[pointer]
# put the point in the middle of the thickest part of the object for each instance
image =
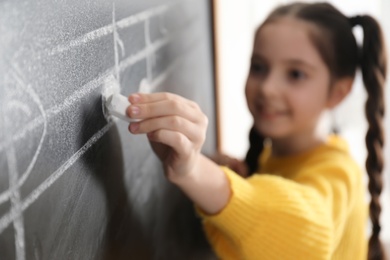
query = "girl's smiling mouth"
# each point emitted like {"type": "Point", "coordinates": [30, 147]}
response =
{"type": "Point", "coordinates": [269, 112]}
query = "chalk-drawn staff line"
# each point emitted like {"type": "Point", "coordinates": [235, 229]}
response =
{"type": "Point", "coordinates": [108, 29]}
{"type": "Point", "coordinates": [14, 105]}
{"type": "Point", "coordinates": [27, 87]}
{"type": "Point", "coordinates": [38, 102]}
{"type": "Point", "coordinates": [157, 81]}
{"type": "Point", "coordinates": [15, 204]}
{"type": "Point", "coordinates": [87, 88]}
{"type": "Point", "coordinates": [149, 57]}
{"type": "Point", "coordinates": [6, 219]}
{"type": "Point", "coordinates": [13, 213]}
{"type": "Point", "coordinates": [84, 90]}
{"type": "Point", "coordinates": [14, 192]}
{"type": "Point", "coordinates": [68, 103]}
{"type": "Point", "coordinates": [117, 41]}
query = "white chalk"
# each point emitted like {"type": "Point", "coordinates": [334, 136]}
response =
{"type": "Point", "coordinates": [116, 105]}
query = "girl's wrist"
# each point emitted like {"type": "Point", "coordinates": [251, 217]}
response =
{"type": "Point", "coordinates": [206, 185]}
{"type": "Point", "coordinates": [187, 178]}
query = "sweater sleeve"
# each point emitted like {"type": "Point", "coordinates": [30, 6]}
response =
{"type": "Point", "coordinates": [270, 217]}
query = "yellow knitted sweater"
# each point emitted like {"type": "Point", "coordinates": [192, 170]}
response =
{"type": "Point", "coordinates": [308, 206]}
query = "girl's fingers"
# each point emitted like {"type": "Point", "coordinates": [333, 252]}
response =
{"type": "Point", "coordinates": [168, 119]}
{"type": "Point", "coordinates": [164, 104]}
{"type": "Point", "coordinates": [173, 123]}
{"type": "Point", "coordinates": [176, 140]}
{"type": "Point", "coordinates": [139, 98]}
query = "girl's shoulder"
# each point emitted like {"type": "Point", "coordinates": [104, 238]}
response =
{"type": "Point", "coordinates": [337, 142]}
{"type": "Point", "coordinates": [335, 150]}
{"type": "Point", "coordinates": [333, 154]}
{"type": "Point", "coordinates": [332, 161]}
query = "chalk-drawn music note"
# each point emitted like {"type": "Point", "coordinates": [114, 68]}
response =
{"type": "Point", "coordinates": [12, 108]}
{"type": "Point", "coordinates": [99, 80]}
{"type": "Point", "coordinates": [150, 59]}
{"type": "Point", "coordinates": [117, 41]}
{"type": "Point", "coordinates": [15, 212]}
{"type": "Point", "coordinates": [9, 109]}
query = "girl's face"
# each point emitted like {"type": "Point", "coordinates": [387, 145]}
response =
{"type": "Point", "coordinates": [288, 83]}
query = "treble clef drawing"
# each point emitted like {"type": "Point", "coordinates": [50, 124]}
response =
{"type": "Point", "coordinates": [14, 112]}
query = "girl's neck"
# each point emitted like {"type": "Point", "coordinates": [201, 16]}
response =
{"type": "Point", "coordinates": [296, 144]}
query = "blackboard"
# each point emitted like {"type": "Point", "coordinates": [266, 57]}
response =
{"type": "Point", "coordinates": [72, 184]}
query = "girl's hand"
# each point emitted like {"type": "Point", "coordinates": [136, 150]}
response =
{"type": "Point", "coordinates": [175, 127]}
{"type": "Point", "coordinates": [236, 165]}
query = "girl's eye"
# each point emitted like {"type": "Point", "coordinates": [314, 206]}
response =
{"type": "Point", "coordinates": [296, 74]}
{"type": "Point", "coordinates": [257, 68]}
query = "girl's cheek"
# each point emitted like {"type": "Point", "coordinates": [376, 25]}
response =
{"type": "Point", "coordinates": [248, 91]}
{"type": "Point", "coordinates": [250, 94]}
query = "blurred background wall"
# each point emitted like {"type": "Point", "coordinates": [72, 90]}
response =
{"type": "Point", "coordinates": [236, 23]}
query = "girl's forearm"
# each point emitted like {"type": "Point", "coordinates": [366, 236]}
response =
{"type": "Point", "coordinates": [208, 186]}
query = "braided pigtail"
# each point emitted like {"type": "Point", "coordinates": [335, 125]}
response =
{"type": "Point", "coordinates": [373, 66]}
{"type": "Point", "coordinates": [256, 145]}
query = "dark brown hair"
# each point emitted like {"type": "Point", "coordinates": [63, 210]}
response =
{"type": "Point", "coordinates": [340, 52]}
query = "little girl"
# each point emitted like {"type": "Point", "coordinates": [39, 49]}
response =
{"type": "Point", "coordinates": [304, 196]}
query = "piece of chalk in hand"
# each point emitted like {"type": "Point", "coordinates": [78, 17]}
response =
{"type": "Point", "coordinates": [116, 105]}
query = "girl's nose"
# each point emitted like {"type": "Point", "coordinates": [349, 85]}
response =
{"type": "Point", "coordinates": [269, 86]}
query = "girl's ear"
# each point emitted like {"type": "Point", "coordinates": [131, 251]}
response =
{"type": "Point", "coordinates": [339, 91]}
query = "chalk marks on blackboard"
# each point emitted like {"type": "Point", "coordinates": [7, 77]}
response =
{"type": "Point", "coordinates": [15, 203]}
{"type": "Point", "coordinates": [149, 56]}
{"type": "Point", "coordinates": [108, 29]}
{"type": "Point", "coordinates": [33, 95]}
{"type": "Point", "coordinates": [10, 216]}
{"type": "Point", "coordinates": [92, 85]}
{"type": "Point", "coordinates": [19, 205]}
{"type": "Point", "coordinates": [117, 41]}
{"type": "Point", "coordinates": [16, 181]}
{"type": "Point", "coordinates": [34, 195]}
{"type": "Point", "coordinates": [83, 91]}
{"type": "Point", "coordinates": [14, 105]}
